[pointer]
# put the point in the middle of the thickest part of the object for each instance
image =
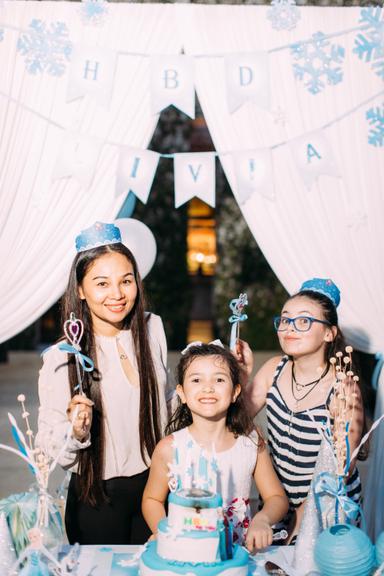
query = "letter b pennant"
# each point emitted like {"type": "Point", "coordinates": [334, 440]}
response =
{"type": "Point", "coordinates": [172, 82]}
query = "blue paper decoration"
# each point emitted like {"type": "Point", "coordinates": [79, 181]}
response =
{"type": "Point", "coordinates": [344, 550]}
{"type": "Point", "coordinates": [1, 34]}
{"type": "Point", "coordinates": [317, 62]}
{"type": "Point", "coordinates": [94, 12]}
{"type": "Point", "coordinates": [283, 14]}
{"type": "Point", "coordinates": [369, 46]}
{"type": "Point", "coordinates": [375, 117]}
{"type": "Point", "coordinates": [380, 549]}
{"type": "Point", "coordinates": [46, 47]}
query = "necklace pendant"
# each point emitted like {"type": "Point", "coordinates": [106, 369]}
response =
{"type": "Point", "coordinates": [123, 356]}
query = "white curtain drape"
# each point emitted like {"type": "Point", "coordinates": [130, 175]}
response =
{"type": "Point", "coordinates": [39, 217]}
{"type": "Point", "coordinates": [334, 229]}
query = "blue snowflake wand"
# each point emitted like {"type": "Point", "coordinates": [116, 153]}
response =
{"type": "Point", "coordinates": [237, 306]}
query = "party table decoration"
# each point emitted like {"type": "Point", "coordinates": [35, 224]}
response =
{"type": "Point", "coordinates": [237, 306]}
{"type": "Point", "coordinates": [344, 550]}
{"type": "Point", "coordinates": [33, 518]}
{"type": "Point", "coordinates": [380, 549]}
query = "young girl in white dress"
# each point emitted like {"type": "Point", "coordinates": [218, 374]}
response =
{"type": "Point", "coordinates": [211, 414]}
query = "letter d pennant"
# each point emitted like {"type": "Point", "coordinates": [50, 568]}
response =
{"type": "Point", "coordinates": [247, 78]}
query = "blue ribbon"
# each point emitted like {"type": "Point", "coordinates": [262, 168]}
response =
{"type": "Point", "coordinates": [237, 318]}
{"type": "Point", "coordinates": [86, 362]}
{"type": "Point", "coordinates": [326, 483]}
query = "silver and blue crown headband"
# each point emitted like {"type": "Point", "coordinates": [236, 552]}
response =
{"type": "Point", "coordinates": [323, 286]}
{"type": "Point", "coordinates": [99, 234]}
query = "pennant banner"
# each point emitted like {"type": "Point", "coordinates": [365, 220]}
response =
{"type": "Point", "coordinates": [92, 73]}
{"type": "Point", "coordinates": [194, 176]}
{"type": "Point", "coordinates": [254, 172]}
{"type": "Point", "coordinates": [135, 172]}
{"type": "Point", "coordinates": [77, 157]}
{"type": "Point", "coordinates": [313, 156]}
{"type": "Point", "coordinates": [172, 83]}
{"type": "Point", "coordinates": [247, 78]}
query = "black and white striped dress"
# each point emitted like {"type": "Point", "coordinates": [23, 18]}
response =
{"type": "Point", "coordinates": [294, 443]}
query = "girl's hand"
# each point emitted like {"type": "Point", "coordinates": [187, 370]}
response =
{"type": "Point", "coordinates": [259, 534]}
{"type": "Point", "coordinates": [244, 356]}
{"type": "Point", "coordinates": [83, 416]}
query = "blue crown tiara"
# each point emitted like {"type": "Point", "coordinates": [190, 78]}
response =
{"type": "Point", "coordinates": [324, 286]}
{"type": "Point", "coordinates": [99, 234]}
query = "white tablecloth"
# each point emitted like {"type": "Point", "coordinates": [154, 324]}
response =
{"type": "Point", "coordinates": [99, 560]}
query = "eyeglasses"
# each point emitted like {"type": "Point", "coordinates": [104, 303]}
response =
{"type": "Point", "coordinates": [300, 323]}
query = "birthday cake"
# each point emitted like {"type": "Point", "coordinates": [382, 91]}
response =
{"type": "Point", "coordinates": [194, 539]}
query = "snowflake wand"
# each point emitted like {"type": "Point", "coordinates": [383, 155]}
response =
{"type": "Point", "coordinates": [237, 306]}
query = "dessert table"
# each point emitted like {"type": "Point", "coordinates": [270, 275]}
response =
{"type": "Point", "coordinates": [120, 561]}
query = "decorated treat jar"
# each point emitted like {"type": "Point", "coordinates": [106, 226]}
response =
{"type": "Point", "coordinates": [380, 549]}
{"type": "Point", "coordinates": [344, 550]}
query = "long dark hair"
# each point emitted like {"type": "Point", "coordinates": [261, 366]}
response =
{"type": "Point", "coordinates": [237, 421]}
{"type": "Point", "coordinates": [91, 459]}
{"type": "Point", "coordinates": [338, 344]}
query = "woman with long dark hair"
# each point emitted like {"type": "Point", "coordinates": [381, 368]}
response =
{"type": "Point", "coordinates": [118, 419]}
{"type": "Point", "coordinates": [298, 390]}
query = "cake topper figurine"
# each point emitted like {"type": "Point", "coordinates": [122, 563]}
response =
{"type": "Point", "coordinates": [237, 306]}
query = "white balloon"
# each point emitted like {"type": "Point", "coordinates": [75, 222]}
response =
{"type": "Point", "coordinates": [141, 242]}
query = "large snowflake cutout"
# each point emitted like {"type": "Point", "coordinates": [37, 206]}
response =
{"type": "Point", "coordinates": [375, 117]}
{"type": "Point", "coordinates": [93, 12]}
{"type": "Point", "coordinates": [46, 48]}
{"type": "Point", "coordinates": [284, 14]}
{"type": "Point", "coordinates": [317, 62]}
{"type": "Point", "coordinates": [370, 45]}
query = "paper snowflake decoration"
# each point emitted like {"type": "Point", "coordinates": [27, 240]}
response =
{"type": "Point", "coordinates": [369, 46]}
{"type": "Point", "coordinates": [93, 12]}
{"type": "Point", "coordinates": [284, 14]}
{"type": "Point", "coordinates": [375, 117]}
{"type": "Point", "coordinates": [46, 48]}
{"type": "Point", "coordinates": [317, 62]}
{"type": "Point", "coordinates": [1, 34]}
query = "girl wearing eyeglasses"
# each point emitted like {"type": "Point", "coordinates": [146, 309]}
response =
{"type": "Point", "coordinates": [298, 387]}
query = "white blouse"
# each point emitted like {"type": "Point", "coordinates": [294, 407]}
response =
{"type": "Point", "coordinates": [121, 402]}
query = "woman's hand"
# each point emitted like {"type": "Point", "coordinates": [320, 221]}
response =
{"type": "Point", "coordinates": [80, 411]}
{"type": "Point", "coordinates": [244, 356]}
{"type": "Point", "coordinates": [259, 534]}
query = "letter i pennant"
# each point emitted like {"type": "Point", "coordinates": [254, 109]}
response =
{"type": "Point", "coordinates": [135, 172]}
{"type": "Point", "coordinates": [172, 83]}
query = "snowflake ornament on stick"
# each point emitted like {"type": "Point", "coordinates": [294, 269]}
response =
{"type": "Point", "coordinates": [237, 306]}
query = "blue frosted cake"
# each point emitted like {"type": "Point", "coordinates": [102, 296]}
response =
{"type": "Point", "coordinates": [194, 540]}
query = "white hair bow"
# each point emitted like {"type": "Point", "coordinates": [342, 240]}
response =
{"type": "Point", "coordinates": [216, 342]}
